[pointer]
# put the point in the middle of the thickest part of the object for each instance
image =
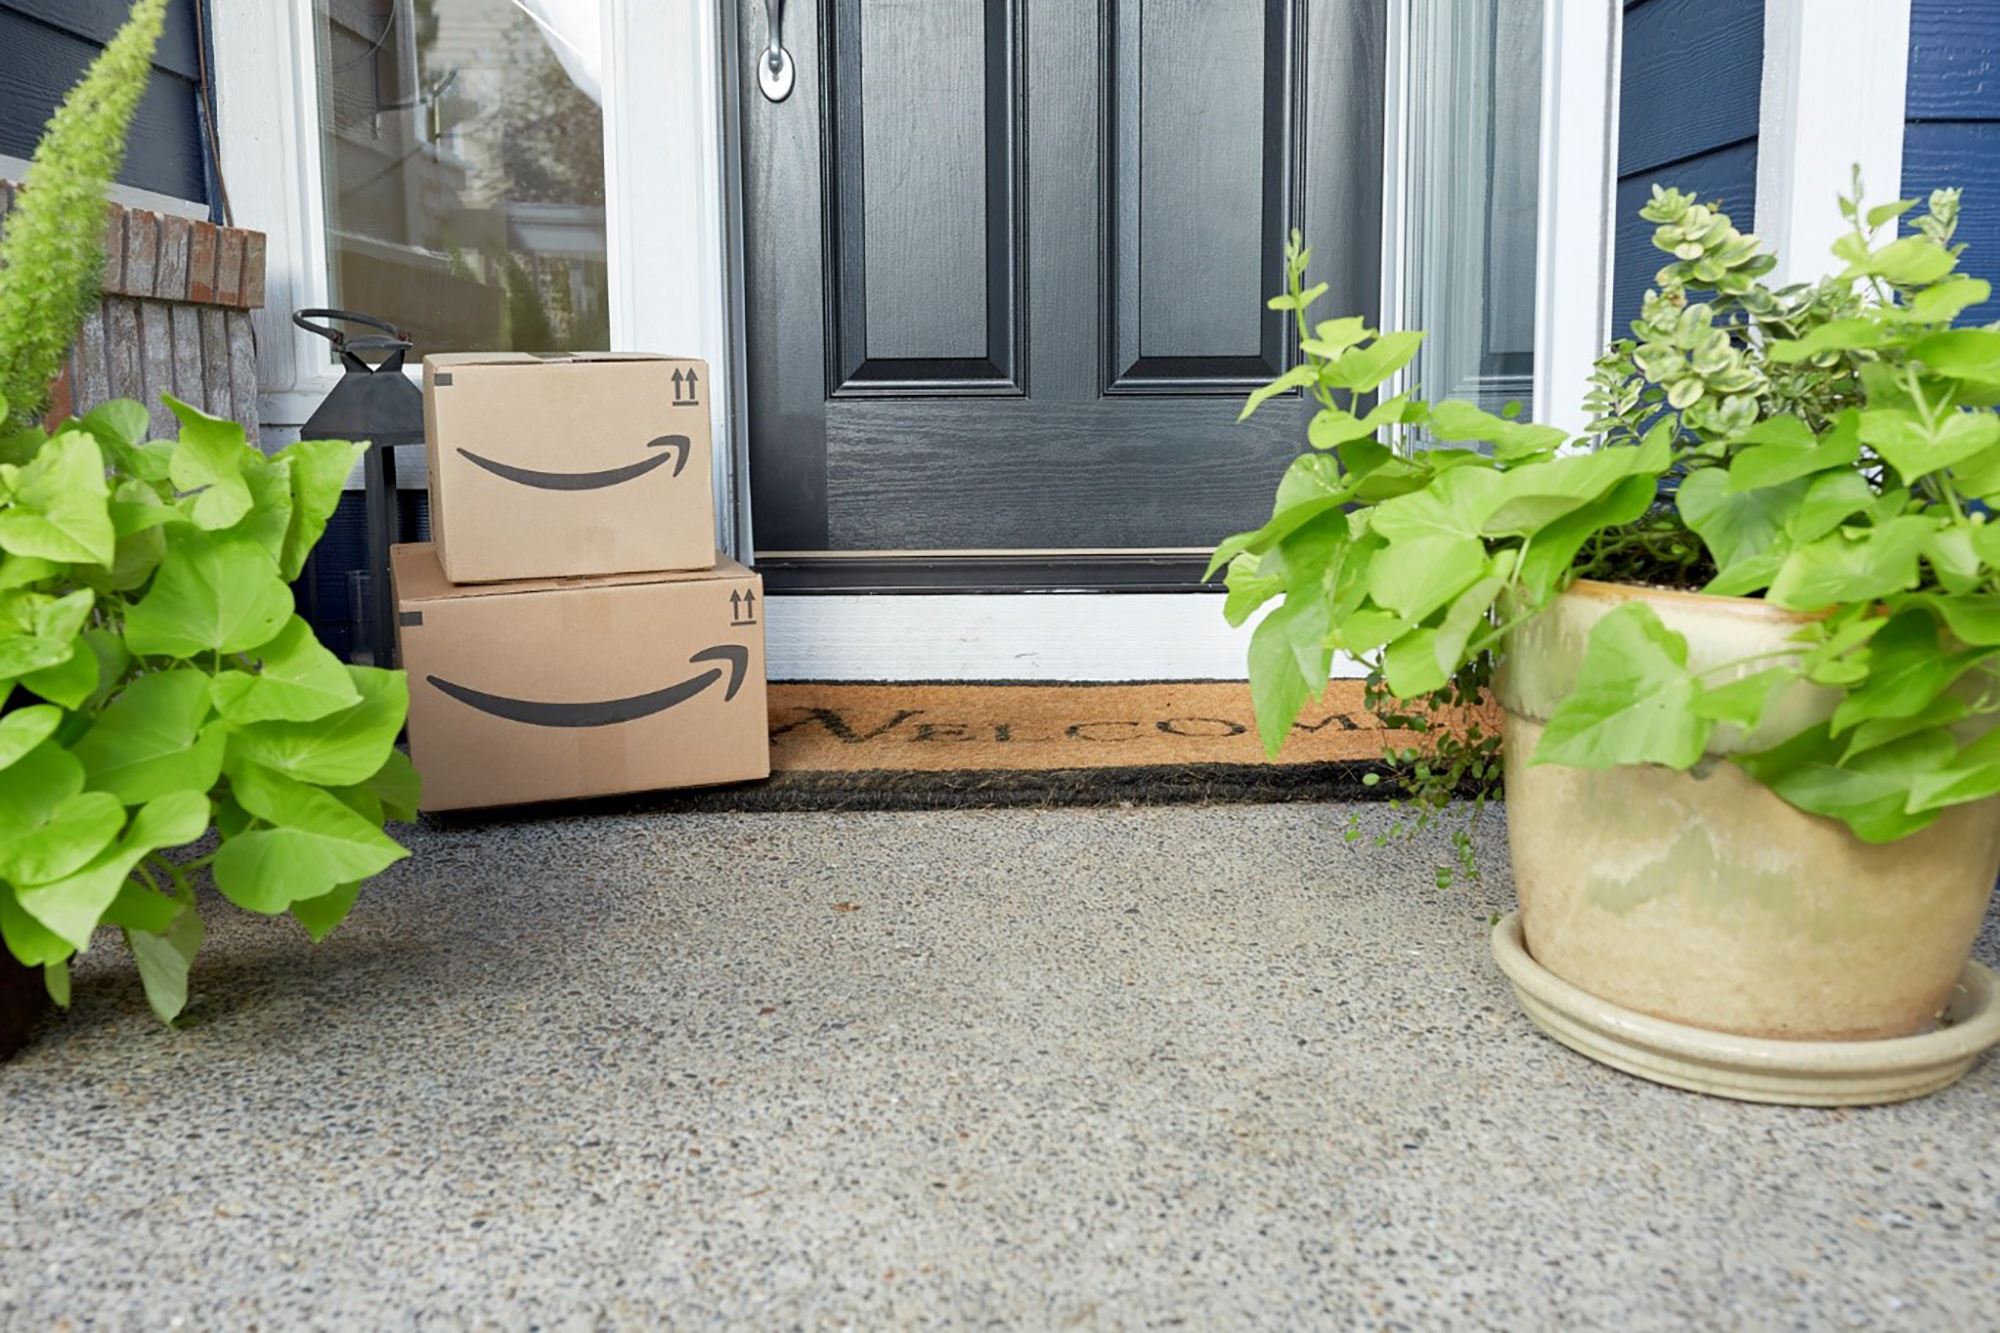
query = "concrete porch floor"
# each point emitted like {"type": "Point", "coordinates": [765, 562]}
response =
{"type": "Point", "coordinates": [1208, 1068]}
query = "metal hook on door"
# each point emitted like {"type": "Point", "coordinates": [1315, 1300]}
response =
{"type": "Point", "coordinates": [774, 67]}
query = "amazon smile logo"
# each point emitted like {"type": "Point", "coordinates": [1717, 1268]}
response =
{"type": "Point", "coordinates": [608, 712]}
{"type": "Point", "coordinates": [676, 445]}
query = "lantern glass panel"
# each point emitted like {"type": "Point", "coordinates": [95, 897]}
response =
{"type": "Point", "coordinates": [463, 161]}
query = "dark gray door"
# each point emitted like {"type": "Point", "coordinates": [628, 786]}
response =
{"type": "Point", "coordinates": [1006, 264]}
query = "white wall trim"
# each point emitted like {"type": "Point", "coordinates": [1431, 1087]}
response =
{"type": "Point", "coordinates": [1835, 86]}
{"type": "Point", "coordinates": [16, 169]}
{"type": "Point", "coordinates": [666, 197]}
{"type": "Point", "coordinates": [267, 123]}
{"type": "Point", "coordinates": [1576, 216]}
{"type": "Point", "coordinates": [1008, 636]}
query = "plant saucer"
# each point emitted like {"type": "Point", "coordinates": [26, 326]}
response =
{"type": "Point", "coordinates": [1756, 1069]}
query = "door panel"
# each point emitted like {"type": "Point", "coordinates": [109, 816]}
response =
{"type": "Point", "coordinates": [1199, 190]}
{"type": "Point", "coordinates": [924, 206]}
{"type": "Point", "coordinates": [1006, 262]}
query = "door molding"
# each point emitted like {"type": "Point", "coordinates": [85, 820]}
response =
{"type": "Point", "coordinates": [1576, 214]}
{"type": "Point", "coordinates": [670, 225]}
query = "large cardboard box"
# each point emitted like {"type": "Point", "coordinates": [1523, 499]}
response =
{"type": "Point", "coordinates": [552, 688]}
{"type": "Point", "coordinates": [549, 466]}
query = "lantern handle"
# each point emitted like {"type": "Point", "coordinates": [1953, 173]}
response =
{"type": "Point", "coordinates": [393, 346]}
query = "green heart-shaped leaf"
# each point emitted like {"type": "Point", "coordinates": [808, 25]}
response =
{"type": "Point", "coordinates": [319, 471]}
{"type": "Point", "coordinates": [298, 681]}
{"type": "Point", "coordinates": [25, 728]}
{"type": "Point", "coordinates": [77, 830]}
{"type": "Point", "coordinates": [35, 786]}
{"type": "Point", "coordinates": [72, 906]}
{"type": "Point", "coordinates": [315, 844]}
{"type": "Point", "coordinates": [212, 594]}
{"type": "Point", "coordinates": [320, 915]}
{"type": "Point", "coordinates": [164, 961]}
{"type": "Point", "coordinates": [70, 681]}
{"type": "Point", "coordinates": [338, 750]}
{"type": "Point", "coordinates": [1633, 703]}
{"type": "Point", "coordinates": [151, 739]}
{"type": "Point", "coordinates": [209, 462]}
{"type": "Point", "coordinates": [32, 943]}
{"type": "Point", "coordinates": [60, 509]}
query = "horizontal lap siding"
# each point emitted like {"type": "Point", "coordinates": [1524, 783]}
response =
{"type": "Point", "coordinates": [1953, 134]}
{"type": "Point", "coordinates": [45, 45]}
{"type": "Point", "coordinates": [1687, 118]}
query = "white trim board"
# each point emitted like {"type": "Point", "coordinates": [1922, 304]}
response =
{"type": "Point", "coordinates": [1579, 183]}
{"type": "Point", "coordinates": [16, 169]}
{"type": "Point", "coordinates": [1013, 636]}
{"type": "Point", "coordinates": [1836, 75]}
{"type": "Point", "coordinates": [666, 213]}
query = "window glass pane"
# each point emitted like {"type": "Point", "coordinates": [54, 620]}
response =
{"type": "Point", "coordinates": [463, 155]}
{"type": "Point", "coordinates": [1473, 154]}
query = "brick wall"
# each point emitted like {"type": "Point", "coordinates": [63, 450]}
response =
{"type": "Point", "coordinates": [174, 318]}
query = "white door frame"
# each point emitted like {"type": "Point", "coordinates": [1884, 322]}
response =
{"type": "Point", "coordinates": [671, 63]}
{"type": "Point", "coordinates": [1834, 97]}
{"type": "Point", "coordinates": [1575, 221]}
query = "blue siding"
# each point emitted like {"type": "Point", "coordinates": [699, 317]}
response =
{"type": "Point", "coordinates": [1726, 174]}
{"type": "Point", "coordinates": [1696, 134]}
{"type": "Point", "coordinates": [45, 45]}
{"type": "Point", "coordinates": [1953, 134]}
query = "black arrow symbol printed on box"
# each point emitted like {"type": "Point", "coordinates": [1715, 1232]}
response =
{"type": "Point", "coordinates": [607, 712]}
{"type": "Point", "coordinates": [743, 607]}
{"type": "Point", "coordinates": [589, 481]}
{"type": "Point", "coordinates": [688, 391]}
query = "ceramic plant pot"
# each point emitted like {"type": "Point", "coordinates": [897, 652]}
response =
{"type": "Point", "coordinates": [1702, 898]}
{"type": "Point", "coordinates": [23, 1000]}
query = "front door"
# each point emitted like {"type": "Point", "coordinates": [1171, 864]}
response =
{"type": "Point", "coordinates": [1006, 264]}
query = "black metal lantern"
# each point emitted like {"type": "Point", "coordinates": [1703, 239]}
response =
{"type": "Point", "coordinates": [379, 404]}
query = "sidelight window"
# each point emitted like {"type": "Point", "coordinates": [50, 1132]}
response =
{"type": "Point", "coordinates": [462, 155]}
{"type": "Point", "coordinates": [1471, 125]}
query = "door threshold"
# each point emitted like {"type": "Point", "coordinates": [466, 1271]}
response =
{"type": "Point", "coordinates": [1114, 572]}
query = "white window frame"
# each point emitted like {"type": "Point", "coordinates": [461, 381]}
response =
{"type": "Point", "coordinates": [667, 198]}
{"type": "Point", "coordinates": [1575, 222]}
{"type": "Point", "coordinates": [662, 66]}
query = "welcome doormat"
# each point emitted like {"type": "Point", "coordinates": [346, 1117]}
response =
{"type": "Point", "coordinates": [1041, 727]}
{"type": "Point", "coordinates": [933, 745]}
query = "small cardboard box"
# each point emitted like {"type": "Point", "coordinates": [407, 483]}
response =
{"type": "Point", "coordinates": [554, 688]}
{"type": "Point", "coordinates": [552, 466]}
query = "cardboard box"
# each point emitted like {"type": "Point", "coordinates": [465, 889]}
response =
{"type": "Point", "coordinates": [554, 688]}
{"type": "Point", "coordinates": [551, 466]}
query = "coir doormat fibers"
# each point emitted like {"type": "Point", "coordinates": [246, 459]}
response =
{"type": "Point", "coordinates": [931, 745]}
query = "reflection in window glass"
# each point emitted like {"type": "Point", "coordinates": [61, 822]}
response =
{"type": "Point", "coordinates": [463, 154]}
{"type": "Point", "coordinates": [1473, 153]}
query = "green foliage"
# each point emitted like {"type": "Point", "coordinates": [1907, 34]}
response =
{"type": "Point", "coordinates": [52, 252]}
{"type": "Point", "coordinates": [155, 686]}
{"type": "Point", "coordinates": [1453, 765]}
{"type": "Point", "coordinates": [1831, 447]}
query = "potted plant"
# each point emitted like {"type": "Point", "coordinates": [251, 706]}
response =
{"type": "Point", "coordinates": [155, 686]}
{"type": "Point", "coordinates": [1743, 637]}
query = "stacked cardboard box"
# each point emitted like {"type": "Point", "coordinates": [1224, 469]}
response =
{"type": "Point", "coordinates": [569, 629]}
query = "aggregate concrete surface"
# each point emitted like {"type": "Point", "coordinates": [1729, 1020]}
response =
{"type": "Point", "coordinates": [1204, 1068]}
